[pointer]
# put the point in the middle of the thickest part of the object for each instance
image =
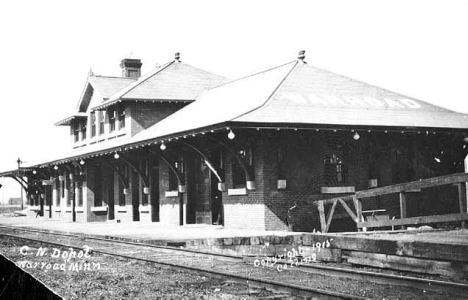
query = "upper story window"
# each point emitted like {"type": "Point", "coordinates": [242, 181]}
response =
{"type": "Point", "coordinates": [93, 124]}
{"type": "Point", "coordinates": [121, 112]}
{"type": "Point", "coordinates": [111, 120]}
{"type": "Point", "coordinates": [101, 122]}
{"type": "Point", "coordinates": [83, 130]}
{"type": "Point", "coordinates": [76, 131]}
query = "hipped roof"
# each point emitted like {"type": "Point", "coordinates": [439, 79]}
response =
{"type": "Point", "coordinates": [174, 81]}
{"type": "Point", "coordinates": [293, 93]}
{"type": "Point", "coordinates": [297, 93]}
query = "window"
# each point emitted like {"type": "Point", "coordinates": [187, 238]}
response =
{"type": "Point", "coordinates": [111, 120]}
{"type": "Point", "coordinates": [93, 124]}
{"type": "Point", "coordinates": [123, 170]}
{"type": "Point", "coordinates": [71, 193]}
{"type": "Point", "coordinates": [281, 161]}
{"type": "Point", "coordinates": [101, 122]}
{"type": "Point", "coordinates": [62, 188]}
{"type": "Point", "coordinates": [121, 111]}
{"type": "Point", "coordinates": [144, 169]}
{"type": "Point", "coordinates": [97, 186]}
{"type": "Point", "coordinates": [133, 73]}
{"type": "Point", "coordinates": [76, 131]}
{"type": "Point", "coordinates": [79, 185]}
{"type": "Point", "coordinates": [179, 167]}
{"type": "Point", "coordinates": [83, 130]}
{"type": "Point", "coordinates": [238, 173]}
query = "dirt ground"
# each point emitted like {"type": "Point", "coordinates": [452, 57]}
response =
{"type": "Point", "coordinates": [81, 278]}
{"type": "Point", "coordinates": [123, 279]}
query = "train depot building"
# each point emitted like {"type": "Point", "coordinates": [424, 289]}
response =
{"type": "Point", "coordinates": [290, 148]}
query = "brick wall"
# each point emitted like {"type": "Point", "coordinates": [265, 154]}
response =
{"type": "Point", "coordinates": [169, 206]}
{"type": "Point", "coordinates": [145, 114]}
{"type": "Point", "coordinates": [245, 211]}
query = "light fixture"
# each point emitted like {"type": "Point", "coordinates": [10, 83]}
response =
{"type": "Point", "coordinates": [163, 146]}
{"type": "Point", "coordinates": [437, 159]}
{"type": "Point", "coordinates": [356, 136]}
{"type": "Point", "coordinates": [55, 167]}
{"type": "Point", "coordinates": [231, 135]}
{"type": "Point", "coordinates": [82, 162]}
{"type": "Point", "coordinates": [34, 172]}
{"type": "Point", "coordinates": [465, 139]}
{"type": "Point", "coordinates": [116, 155]}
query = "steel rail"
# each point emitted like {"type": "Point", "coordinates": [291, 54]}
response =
{"type": "Point", "coordinates": [376, 277]}
{"type": "Point", "coordinates": [292, 289]}
{"type": "Point", "coordinates": [123, 241]}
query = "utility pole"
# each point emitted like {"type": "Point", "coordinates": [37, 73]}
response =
{"type": "Point", "coordinates": [19, 174]}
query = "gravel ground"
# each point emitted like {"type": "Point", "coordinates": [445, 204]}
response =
{"type": "Point", "coordinates": [129, 279]}
{"type": "Point", "coordinates": [124, 279]}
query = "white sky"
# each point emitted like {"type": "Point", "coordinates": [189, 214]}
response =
{"type": "Point", "coordinates": [417, 48]}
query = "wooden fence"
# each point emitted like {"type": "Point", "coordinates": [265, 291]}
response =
{"type": "Point", "coordinates": [458, 179]}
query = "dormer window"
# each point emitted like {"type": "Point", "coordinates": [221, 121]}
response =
{"type": "Point", "coordinates": [83, 130]}
{"type": "Point", "coordinates": [93, 124]}
{"type": "Point", "coordinates": [101, 122]}
{"type": "Point", "coordinates": [76, 131]}
{"type": "Point", "coordinates": [111, 120]}
{"type": "Point", "coordinates": [121, 111]}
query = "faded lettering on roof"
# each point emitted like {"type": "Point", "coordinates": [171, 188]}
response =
{"type": "Point", "coordinates": [348, 101]}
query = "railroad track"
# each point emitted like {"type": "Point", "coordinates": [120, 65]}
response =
{"type": "Point", "coordinates": [184, 259]}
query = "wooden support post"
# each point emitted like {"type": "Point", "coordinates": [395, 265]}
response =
{"type": "Point", "coordinates": [358, 207]}
{"type": "Point", "coordinates": [330, 215]}
{"type": "Point", "coordinates": [403, 207]}
{"type": "Point", "coordinates": [462, 200]}
{"type": "Point", "coordinates": [321, 209]}
{"type": "Point", "coordinates": [348, 210]}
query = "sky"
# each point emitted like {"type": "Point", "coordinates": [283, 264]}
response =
{"type": "Point", "coordinates": [416, 48]}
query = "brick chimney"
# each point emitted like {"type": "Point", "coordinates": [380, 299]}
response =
{"type": "Point", "coordinates": [131, 67]}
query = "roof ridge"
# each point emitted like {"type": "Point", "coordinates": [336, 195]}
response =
{"type": "Point", "coordinates": [251, 75]}
{"type": "Point", "coordinates": [274, 90]}
{"type": "Point", "coordinates": [141, 80]}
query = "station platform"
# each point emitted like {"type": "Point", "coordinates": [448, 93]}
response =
{"type": "Point", "coordinates": [155, 233]}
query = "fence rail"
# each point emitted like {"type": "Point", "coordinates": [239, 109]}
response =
{"type": "Point", "coordinates": [458, 179]}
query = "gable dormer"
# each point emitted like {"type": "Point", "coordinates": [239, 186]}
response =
{"type": "Point", "coordinates": [86, 126]}
{"type": "Point", "coordinates": [159, 93]}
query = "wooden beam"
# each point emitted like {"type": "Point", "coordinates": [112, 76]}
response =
{"type": "Point", "coordinates": [420, 184]}
{"type": "Point", "coordinates": [321, 209]}
{"type": "Point", "coordinates": [337, 189]}
{"type": "Point", "coordinates": [462, 200]}
{"type": "Point", "coordinates": [416, 220]}
{"type": "Point", "coordinates": [403, 206]}
{"type": "Point", "coordinates": [358, 207]}
{"type": "Point", "coordinates": [348, 210]}
{"type": "Point", "coordinates": [331, 200]}
{"type": "Point", "coordinates": [330, 215]}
